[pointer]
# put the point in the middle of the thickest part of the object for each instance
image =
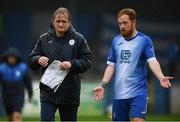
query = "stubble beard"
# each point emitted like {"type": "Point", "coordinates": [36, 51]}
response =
{"type": "Point", "coordinates": [127, 34]}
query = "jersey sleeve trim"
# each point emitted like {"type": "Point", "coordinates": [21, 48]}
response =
{"type": "Point", "coordinates": [111, 63]}
{"type": "Point", "coordinates": [151, 59]}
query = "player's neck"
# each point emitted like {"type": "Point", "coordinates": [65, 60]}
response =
{"type": "Point", "coordinates": [134, 34]}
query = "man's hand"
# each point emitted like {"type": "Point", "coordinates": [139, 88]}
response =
{"type": "Point", "coordinates": [65, 65]}
{"type": "Point", "coordinates": [165, 83]}
{"type": "Point", "coordinates": [98, 93]}
{"type": "Point", "coordinates": [43, 61]}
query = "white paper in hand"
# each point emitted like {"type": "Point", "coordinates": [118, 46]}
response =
{"type": "Point", "coordinates": [53, 76]}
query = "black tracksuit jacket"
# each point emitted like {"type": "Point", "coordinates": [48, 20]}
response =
{"type": "Point", "coordinates": [71, 47]}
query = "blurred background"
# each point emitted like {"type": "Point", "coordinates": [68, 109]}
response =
{"type": "Point", "coordinates": [23, 21]}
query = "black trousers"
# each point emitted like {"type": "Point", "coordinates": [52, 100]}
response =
{"type": "Point", "coordinates": [67, 112]}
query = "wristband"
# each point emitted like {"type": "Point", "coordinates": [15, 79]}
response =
{"type": "Point", "coordinates": [102, 84]}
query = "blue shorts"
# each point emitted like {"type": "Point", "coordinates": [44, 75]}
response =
{"type": "Point", "coordinates": [136, 107]}
{"type": "Point", "coordinates": [13, 104]}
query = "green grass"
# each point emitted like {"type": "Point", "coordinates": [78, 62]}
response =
{"type": "Point", "coordinates": [103, 118]}
{"type": "Point", "coordinates": [149, 118]}
{"type": "Point", "coordinates": [163, 118]}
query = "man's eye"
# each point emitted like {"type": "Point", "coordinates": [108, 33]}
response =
{"type": "Point", "coordinates": [64, 21]}
{"type": "Point", "coordinates": [58, 21]}
{"type": "Point", "coordinates": [125, 23]}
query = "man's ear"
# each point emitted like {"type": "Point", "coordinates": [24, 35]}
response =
{"type": "Point", "coordinates": [134, 21]}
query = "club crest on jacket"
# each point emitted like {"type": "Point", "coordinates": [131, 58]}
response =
{"type": "Point", "coordinates": [71, 41]}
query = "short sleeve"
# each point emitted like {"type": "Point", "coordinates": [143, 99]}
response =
{"type": "Point", "coordinates": [149, 50]}
{"type": "Point", "coordinates": [111, 56]}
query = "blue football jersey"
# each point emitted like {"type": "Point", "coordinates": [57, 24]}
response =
{"type": "Point", "coordinates": [13, 74]}
{"type": "Point", "coordinates": [130, 58]}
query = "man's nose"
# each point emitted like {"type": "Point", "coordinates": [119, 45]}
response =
{"type": "Point", "coordinates": [60, 24]}
{"type": "Point", "coordinates": [122, 26]}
